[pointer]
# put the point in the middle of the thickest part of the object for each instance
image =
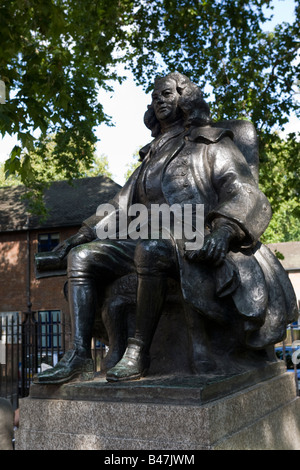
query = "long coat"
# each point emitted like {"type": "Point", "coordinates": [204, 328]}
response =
{"type": "Point", "coordinates": [204, 166]}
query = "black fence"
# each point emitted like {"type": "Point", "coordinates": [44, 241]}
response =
{"type": "Point", "coordinates": [29, 344]}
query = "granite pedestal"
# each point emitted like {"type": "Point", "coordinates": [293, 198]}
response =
{"type": "Point", "coordinates": [255, 410]}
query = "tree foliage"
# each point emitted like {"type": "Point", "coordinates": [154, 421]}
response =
{"type": "Point", "coordinates": [223, 45]}
{"type": "Point", "coordinates": [55, 55]}
{"type": "Point", "coordinates": [280, 181]}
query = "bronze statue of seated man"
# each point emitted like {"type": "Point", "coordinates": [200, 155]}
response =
{"type": "Point", "coordinates": [191, 161]}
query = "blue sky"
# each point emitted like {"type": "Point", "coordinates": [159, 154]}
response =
{"type": "Point", "coordinates": [127, 105]}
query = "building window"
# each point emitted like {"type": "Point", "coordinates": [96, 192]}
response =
{"type": "Point", "coordinates": [50, 336]}
{"type": "Point", "coordinates": [50, 330]}
{"type": "Point", "coordinates": [10, 330]}
{"type": "Point", "coordinates": [47, 241]}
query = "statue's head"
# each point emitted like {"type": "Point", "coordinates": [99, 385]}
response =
{"type": "Point", "coordinates": [175, 97]}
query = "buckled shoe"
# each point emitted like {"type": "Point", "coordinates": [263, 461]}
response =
{"type": "Point", "coordinates": [133, 365]}
{"type": "Point", "coordinates": [71, 366]}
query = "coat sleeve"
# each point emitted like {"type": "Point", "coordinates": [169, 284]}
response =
{"type": "Point", "coordinates": [239, 198]}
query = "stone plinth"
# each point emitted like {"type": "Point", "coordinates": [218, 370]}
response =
{"type": "Point", "coordinates": [165, 414]}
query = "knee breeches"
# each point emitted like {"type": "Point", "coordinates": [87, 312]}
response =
{"type": "Point", "coordinates": [110, 259]}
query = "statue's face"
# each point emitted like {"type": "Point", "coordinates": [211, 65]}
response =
{"type": "Point", "coordinates": [165, 101]}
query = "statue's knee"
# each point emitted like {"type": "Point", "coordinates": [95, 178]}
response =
{"type": "Point", "coordinates": [78, 256]}
{"type": "Point", "coordinates": [152, 256]}
{"type": "Point", "coordinates": [145, 251]}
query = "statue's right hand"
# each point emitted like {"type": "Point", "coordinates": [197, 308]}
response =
{"type": "Point", "coordinates": [214, 249]}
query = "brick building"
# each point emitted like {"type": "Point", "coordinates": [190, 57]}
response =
{"type": "Point", "coordinates": [23, 235]}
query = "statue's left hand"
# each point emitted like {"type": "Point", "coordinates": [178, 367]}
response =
{"type": "Point", "coordinates": [214, 249]}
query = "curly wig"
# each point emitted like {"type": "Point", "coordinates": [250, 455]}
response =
{"type": "Point", "coordinates": [195, 111]}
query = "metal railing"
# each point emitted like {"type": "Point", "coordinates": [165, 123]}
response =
{"type": "Point", "coordinates": [289, 352]}
{"type": "Point", "coordinates": [27, 341]}
{"type": "Point", "coordinates": [10, 358]}
{"type": "Point", "coordinates": [43, 345]}
{"type": "Point", "coordinates": [29, 344]}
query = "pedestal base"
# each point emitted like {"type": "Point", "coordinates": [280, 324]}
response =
{"type": "Point", "coordinates": [175, 415]}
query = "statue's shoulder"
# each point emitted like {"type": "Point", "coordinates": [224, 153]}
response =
{"type": "Point", "coordinates": [144, 150]}
{"type": "Point", "coordinates": [208, 134]}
